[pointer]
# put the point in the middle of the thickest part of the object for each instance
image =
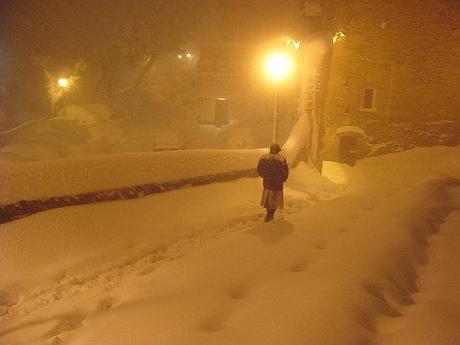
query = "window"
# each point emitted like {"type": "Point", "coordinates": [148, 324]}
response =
{"type": "Point", "coordinates": [368, 103]}
{"type": "Point", "coordinates": [213, 111]}
{"type": "Point", "coordinates": [221, 111]}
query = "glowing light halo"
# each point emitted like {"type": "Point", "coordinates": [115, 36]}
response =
{"type": "Point", "coordinates": [63, 83]}
{"type": "Point", "coordinates": [278, 65]}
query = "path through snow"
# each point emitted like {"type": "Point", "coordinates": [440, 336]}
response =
{"type": "Point", "coordinates": [367, 267]}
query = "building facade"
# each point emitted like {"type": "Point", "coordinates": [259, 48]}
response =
{"type": "Point", "coordinates": [392, 64]}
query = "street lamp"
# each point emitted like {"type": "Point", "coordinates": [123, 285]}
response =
{"type": "Point", "coordinates": [187, 55]}
{"type": "Point", "coordinates": [278, 66]}
{"type": "Point", "coordinates": [58, 93]}
{"type": "Point", "coordinates": [63, 83]}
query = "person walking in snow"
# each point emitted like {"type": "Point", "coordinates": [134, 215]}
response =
{"type": "Point", "coordinates": [272, 167]}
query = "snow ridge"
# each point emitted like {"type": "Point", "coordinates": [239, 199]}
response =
{"type": "Point", "coordinates": [26, 208]}
{"type": "Point", "coordinates": [399, 242]}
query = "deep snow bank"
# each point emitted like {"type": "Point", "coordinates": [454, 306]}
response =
{"type": "Point", "coordinates": [331, 273]}
{"type": "Point", "coordinates": [35, 248]}
{"type": "Point", "coordinates": [307, 279]}
{"type": "Point", "coordinates": [434, 316]}
{"type": "Point", "coordinates": [396, 171]}
{"type": "Point", "coordinates": [327, 275]}
{"type": "Point", "coordinates": [34, 180]}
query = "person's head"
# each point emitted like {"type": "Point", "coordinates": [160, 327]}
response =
{"type": "Point", "coordinates": [275, 148]}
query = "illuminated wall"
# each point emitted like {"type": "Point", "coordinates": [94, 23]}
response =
{"type": "Point", "coordinates": [397, 63]}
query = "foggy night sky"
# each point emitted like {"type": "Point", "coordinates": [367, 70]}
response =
{"type": "Point", "coordinates": [74, 28]}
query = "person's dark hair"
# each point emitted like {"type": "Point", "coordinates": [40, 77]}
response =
{"type": "Point", "coordinates": [275, 148]}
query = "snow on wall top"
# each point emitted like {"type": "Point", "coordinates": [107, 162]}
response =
{"type": "Point", "coordinates": [33, 180]}
{"type": "Point", "coordinates": [349, 129]}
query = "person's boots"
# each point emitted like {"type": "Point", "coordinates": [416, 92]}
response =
{"type": "Point", "coordinates": [270, 213]}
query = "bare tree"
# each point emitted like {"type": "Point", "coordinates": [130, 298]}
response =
{"type": "Point", "coordinates": [110, 36]}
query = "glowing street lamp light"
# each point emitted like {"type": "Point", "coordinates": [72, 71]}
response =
{"type": "Point", "coordinates": [63, 83]}
{"type": "Point", "coordinates": [278, 67]}
{"type": "Point", "coordinates": [186, 55]}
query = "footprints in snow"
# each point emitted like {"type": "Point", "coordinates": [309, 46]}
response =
{"type": "Point", "coordinates": [243, 222]}
{"type": "Point", "coordinates": [111, 281]}
{"type": "Point", "coordinates": [67, 323]}
{"type": "Point", "coordinates": [147, 270]}
{"type": "Point", "coordinates": [216, 321]}
{"type": "Point", "coordinates": [75, 320]}
{"type": "Point", "coordinates": [299, 266]}
{"type": "Point", "coordinates": [342, 229]}
{"type": "Point", "coordinates": [106, 304]}
{"type": "Point", "coordinates": [111, 276]}
{"type": "Point", "coordinates": [238, 292]}
{"type": "Point", "coordinates": [320, 246]}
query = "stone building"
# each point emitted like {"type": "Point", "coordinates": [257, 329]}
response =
{"type": "Point", "coordinates": [391, 75]}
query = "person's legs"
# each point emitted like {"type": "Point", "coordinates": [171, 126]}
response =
{"type": "Point", "coordinates": [270, 213]}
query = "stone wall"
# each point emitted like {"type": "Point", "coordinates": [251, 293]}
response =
{"type": "Point", "coordinates": [24, 208]}
{"type": "Point", "coordinates": [407, 51]}
{"type": "Point", "coordinates": [403, 136]}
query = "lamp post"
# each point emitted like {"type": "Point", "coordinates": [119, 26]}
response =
{"type": "Point", "coordinates": [278, 67]}
{"type": "Point", "coordinates": [275, 113]}
{"type": "Point", "coordinates": [64, 85]}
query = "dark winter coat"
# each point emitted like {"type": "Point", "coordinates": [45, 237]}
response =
{"type": "Point", "coordinates": [274, 170]}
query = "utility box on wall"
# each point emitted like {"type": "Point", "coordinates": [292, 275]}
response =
{"type": "Point", "coordinates": [213, 111]}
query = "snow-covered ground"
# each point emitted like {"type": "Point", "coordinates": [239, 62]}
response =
{"type": "Point", "coordinates": [370, 259]}
{"type": "Point", "coordinates": [31, 180]}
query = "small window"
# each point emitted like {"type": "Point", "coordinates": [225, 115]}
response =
{"type": "Point", "coordinates": [368, 99]}
{"type": "Point", "coordinates": [213, 111]}
{"type": "Point", "coordinates": [221, 112]}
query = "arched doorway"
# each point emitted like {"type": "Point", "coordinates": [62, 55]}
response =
{"type": "Point", "coordinates": [352, 144]}
{"type": "Point", "coordinates": [348, 149]}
